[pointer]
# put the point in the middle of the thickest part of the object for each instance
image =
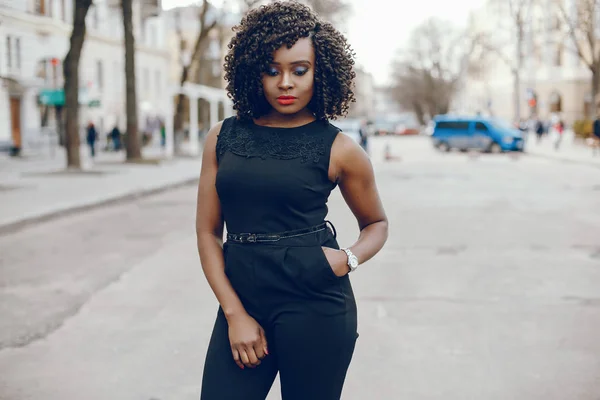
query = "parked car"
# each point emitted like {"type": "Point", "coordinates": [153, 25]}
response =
{"type": "Point", "coordinates": [486, 134]}
{"type": "Point", "coordinates": [382, 128]}
{"type": "Point", "coordinates": [403, 129]}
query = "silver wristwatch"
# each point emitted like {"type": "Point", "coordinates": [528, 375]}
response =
{"type": "Point", "coordinates": [352, 260]}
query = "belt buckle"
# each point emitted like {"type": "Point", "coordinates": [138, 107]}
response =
{"type": "Point", "coordinates": [251, 238]}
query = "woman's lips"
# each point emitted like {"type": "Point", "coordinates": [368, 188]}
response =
{"type": "Point", "coordinates": [286, 100]}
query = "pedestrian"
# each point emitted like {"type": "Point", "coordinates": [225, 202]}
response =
{"type": "Point", "coordinates": [364, 136]}
{"type": "Point", "coordinates": [116, 138]}
{"type": "Point", "coordinates": [596, 136]}
{"type": "Point", "coordinates": [539, 130]}
{"type": "Point", "coordinates": [91, 137]}
{"type": "Point", "coordinates": [560, 128]}
{"type": "Point", "coordinates": [163, 135]}
{"type": "Point", "coordinates": [281, 279]}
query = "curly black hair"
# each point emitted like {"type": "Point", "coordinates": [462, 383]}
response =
{"type": "Point", "coordinates": [264, 30]}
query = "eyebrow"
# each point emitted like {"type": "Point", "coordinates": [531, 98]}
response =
{"type": "Point", "coordinates": [294, 62]}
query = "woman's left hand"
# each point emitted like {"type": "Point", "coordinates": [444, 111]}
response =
{"type": "Point", "coordinates": [338, 261]}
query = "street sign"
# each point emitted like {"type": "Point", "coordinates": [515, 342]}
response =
{"type": "Point", "coordinates": [56, 97]}
{"type": "Point", "coordinates": [52, 97]}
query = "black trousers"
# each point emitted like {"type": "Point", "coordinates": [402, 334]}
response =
{"type": "Point", "coordinates": [307, 312]}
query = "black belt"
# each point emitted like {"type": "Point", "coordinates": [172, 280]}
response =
{"type": "Point", "coordinates": [274, 237]}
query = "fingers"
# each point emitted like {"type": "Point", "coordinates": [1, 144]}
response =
{"type": "Point", "coordinates": [263, 339]}
{"type": "Point", "coordinates": [252, 357]}
{"type": "Point", "coordinates": [250, 352]}
{"type": "Point", "coordinates": [245, 356]}
{"type": "Point", "coordinates": [237, 358]}
{"type": "Point", "coordinates": [259, 350]}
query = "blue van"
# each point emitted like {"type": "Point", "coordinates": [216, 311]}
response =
{"type": "Point", "coordinates": [486, 134]}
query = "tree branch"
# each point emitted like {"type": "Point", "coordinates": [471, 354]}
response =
{"type": "Point", "coordinates": [573, 29]}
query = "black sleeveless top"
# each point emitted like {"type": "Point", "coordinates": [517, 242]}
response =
{"type": "Point", "coordinates": [273, 179]}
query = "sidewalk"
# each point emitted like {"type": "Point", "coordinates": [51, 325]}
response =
{"type": "Point", "coordinates": [38, 187]}
{"type": "Point", "coordinates": [569, 151]}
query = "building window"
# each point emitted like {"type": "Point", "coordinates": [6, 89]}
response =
{"type": "Point", "coordinates": [8, 52]}
{"type": "Point", "coordinates": [152, 35]}
{"type": "Point", "coordinates": [555, 102]}
{"type": "Point", "coordinates": [146, 80]}
{"type": "Point", "coordinates": [18, 53]}
{"type": "Point", "coordinates": [116, 76]}
{"type": "Point", "coordinates": [558, 56]}
{"type": "Point", "coordinates": [99, 75]}
{"type": "Point", "coordinates": [556, 23]}
{"type": "Point", "coordinates": [40, 7]}
{"type": "Point", "coordinates": [158, 82]}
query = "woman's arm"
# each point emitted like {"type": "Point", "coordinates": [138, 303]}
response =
{"type": "Point", "coordinates": [209, 229]}
{"type": "Point", "coordinates": [247, 338]}
{"type": "Point", "coordinates": [351, 168]}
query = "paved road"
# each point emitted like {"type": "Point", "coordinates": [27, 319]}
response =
{"type": "Point", "coordinates": [487, 289]}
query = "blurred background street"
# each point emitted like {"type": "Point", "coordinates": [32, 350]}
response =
{"type": "Point", "coordinates": [479, 120]}
{"type": "Point", "coordinates": [487, 289]}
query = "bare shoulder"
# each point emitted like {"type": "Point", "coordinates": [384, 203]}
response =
{"type": "Point", "coordinates": [210, 143]}
{"type": "Point", "coordinates": [347, 156]}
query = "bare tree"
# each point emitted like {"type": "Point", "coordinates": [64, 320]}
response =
{"type": "Point", "coordinates": [132, 142]}
{"type": "Point", "coordinates": [188, 59]}
{"type": "Point", "coordinates": [429, 71]}
{"type": "Point", "coordinates": [511, 50]}
{"type": "Point", "coordinates": [333, 11]}
{"type": "Point", "coordinates": [71, 75]}
{"type": "Point", "coordinates": [582, 25]}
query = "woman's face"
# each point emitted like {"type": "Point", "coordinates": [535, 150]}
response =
{"type": "Point", "coordinates": [288, 81]}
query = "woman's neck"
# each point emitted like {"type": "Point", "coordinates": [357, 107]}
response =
{"type": "Point", "coordinates": [279, 120]}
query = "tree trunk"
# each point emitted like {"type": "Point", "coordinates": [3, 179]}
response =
{"type": "Point", "coordinates": [519, 64]}
{"type": "Point", "coordinates": [132, 140]}
{"type": "Point", "coordinates": [200, 47]}
{"type": "Point", "coordinates": [71, 88]}
{"type": "Point", "coordinates": [178, 119]}
{"type": "Point", "coordinates": [60, 125]}
{"type": "Point", "coordinates": [516, 95]}
{"type": "Point", "coordinates": [595, 88]}
{"type": "Point", "coordinates": [419, 113]}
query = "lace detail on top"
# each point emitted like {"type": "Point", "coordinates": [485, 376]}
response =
{"type": "Point", "coordinates": [240, 139]}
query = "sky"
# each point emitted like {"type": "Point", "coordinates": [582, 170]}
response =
{"type": "Point", "coordinates": [377, 28]}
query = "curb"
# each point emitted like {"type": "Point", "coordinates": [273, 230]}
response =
{"type": "Point", "coordinates": [564, 160]}
{"type": "Point", "coordinates": [16, 226]}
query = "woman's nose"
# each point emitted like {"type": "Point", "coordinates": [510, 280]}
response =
{"type": "Point", "coordinates": [286, 82]}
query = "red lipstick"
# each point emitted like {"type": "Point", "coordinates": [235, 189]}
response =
{"type": "Point", "coordinates": [286, 100]}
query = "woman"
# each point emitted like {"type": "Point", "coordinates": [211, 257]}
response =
{"type": "Point", "coordinates": [91, 138]}
{"type": "Point", "coordinates": [286, 303]}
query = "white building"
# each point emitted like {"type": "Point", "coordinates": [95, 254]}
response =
{"type": "Point", "coordinates": [553, 78]}
{"type": "Point", "coordinates": [34, 40]}
{"type": "Point", "coordinates": [364, 107]}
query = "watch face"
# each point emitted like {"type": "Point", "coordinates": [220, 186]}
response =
{"type": "Point", "coordinates": [353, 262]}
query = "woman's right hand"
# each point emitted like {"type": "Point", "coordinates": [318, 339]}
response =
{"type": "Point", "coordinates": [248, 341]}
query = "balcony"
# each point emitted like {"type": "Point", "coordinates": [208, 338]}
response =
{"type": "Point", "coordinates": [149, 8]}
